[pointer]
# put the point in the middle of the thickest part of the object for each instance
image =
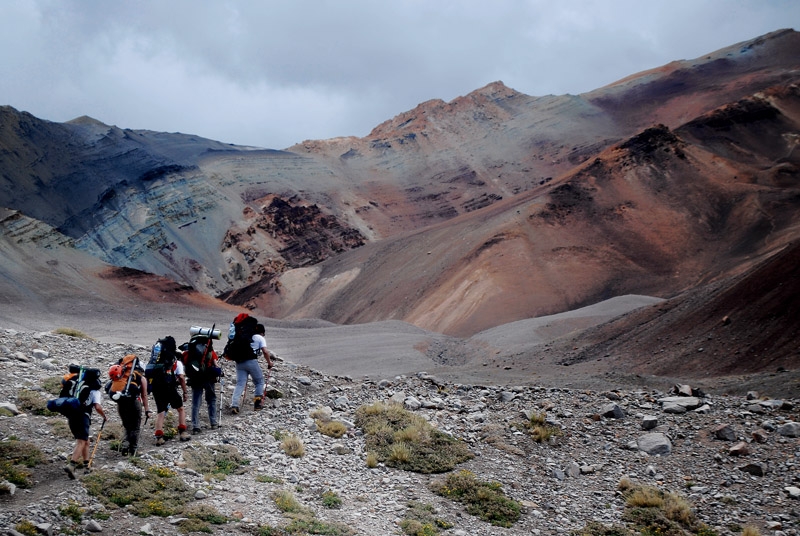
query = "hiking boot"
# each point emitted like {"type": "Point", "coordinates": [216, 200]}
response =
{"type": "Point", "coordinates": [70, 469]}
{"type": "Point", "coordinates": [160, 440]}
{"type": "Point", "coordinates": [184, 435]}
{"type": "Point", "coordinates": [196, 431]}
{"type": "Point", "coordinates": [234, 410]}
{"type": "Point", "coordinates": [86, 469]}
{"type": "Point", "coordinates": [258, 403]}
{"type": "Point", "coordinates": [214, 426]}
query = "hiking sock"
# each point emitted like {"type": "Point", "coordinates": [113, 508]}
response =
{"type": "Point", "coordinates": [70, 469]}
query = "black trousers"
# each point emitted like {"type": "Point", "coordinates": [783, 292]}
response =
{"type": "Point", "coordinates": [130, 411]}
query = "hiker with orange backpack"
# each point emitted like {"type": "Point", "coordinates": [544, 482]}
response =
{"type": "Point", "coordinates": [128, 388]}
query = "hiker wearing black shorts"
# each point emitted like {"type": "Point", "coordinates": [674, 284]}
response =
{"type": "Point", "coordinates": [164, 387]}
{"type": "Point", "coordinates": [79, 423]}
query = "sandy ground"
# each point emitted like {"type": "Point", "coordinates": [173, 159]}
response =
{"type": "Point", "coordinates": [375, 350]}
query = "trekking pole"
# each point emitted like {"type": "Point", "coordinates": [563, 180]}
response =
{"type": "Point", "coordinates": [96, 444]}
{"type": "Point", "coordinates": [221, 397]}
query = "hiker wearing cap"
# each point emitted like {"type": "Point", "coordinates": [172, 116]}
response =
{"type": "Point", "coordinates": [128, 388]}
{"type": "Point", "coordinates": [202, 373]}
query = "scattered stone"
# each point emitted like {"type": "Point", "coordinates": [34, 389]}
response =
{"type": "Point", "coordinates": [790, 429]}
{"type": "Point", "coordinates": [612, 411]}
{"type": "Point", "coordinates": [200, 494]}
{"type": "Point", "coordinates": [93, 526]}
{"type": "Point", "coordinates": [739, 449]}
{"type": "Point", "coordinates": [793, 492]}
{"type": "Point", "coordinates": [654, 444]}
{"type": "Point", "coordinates": [724, 432]}
{"type": "Point", "coordinates": [9, 407]}
{"type": "Point", "coordinates": [649, 422]}
{"type": "Point", "coordinates": [754, 468]}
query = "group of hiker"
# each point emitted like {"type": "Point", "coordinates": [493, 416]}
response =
{"type": "Point", "coordinates": [193, 364]}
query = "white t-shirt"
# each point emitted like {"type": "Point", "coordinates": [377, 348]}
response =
{"type": "Point", "coordinates": [179, 371]}
{"type": "Point", "coordinates": [95, 397]}
{"type": "Point", "coordinates": [258, 343]}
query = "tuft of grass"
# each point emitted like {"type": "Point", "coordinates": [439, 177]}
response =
{"type": "Point", "coordinates": [312, 525]}
{"type": "Point", "coordinates": [27, 528]}
{"type": "Point", "coordinates": [52, 385]}
{"type": "Point", "coordinates": [330, 499]}
{"type": "Point", "coordinates": [421, 520]}
{"type": "Point", "coordinates": [70, 332]}
{"type": "Point", "coordinates": [73, 511]}
{"type": "Point", "coordinates": [33, 402]}
{"type": "Point", "coordinates": [399, 453]}
{"type": "Point", "coordinates": [15, 459]}
{"type": "Point", "coordinates": [293, 446]}
{"type": "Point", "coordinates": [334, 429]}
{"type": "Point", "coordinates": [371, 460]}
{"type": "Point", "coordinates": [651, 511]}
{"type": "Point", "coordinates": [402, 439]}
{"type": "Point", "coordinates": [484, 500]}
{"type": "Point", "coordinates": [156, 492]}
{"type": "Point", "coordinates": [596, 528]}
{"type": "Point", "coordinates": [216, 461]}
{"type": "Point", "coordinates": [286, 502]}
{"type": "Point", "coordinates": [750, 530]}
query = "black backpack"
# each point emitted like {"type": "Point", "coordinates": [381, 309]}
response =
{"type": "Point", "coordinates": [160, 369]}
{"type": "Point", "coordinates": [76, 386]}
{"type": "Point", "coordinates": [198, 361]}
{"type": "Point", "coordinates": [240, 335]}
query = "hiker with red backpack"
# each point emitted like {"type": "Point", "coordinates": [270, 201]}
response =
{"type": "Point", "coordinates": [164, 373]}
{"type": "Point", "coordinates": [246, 343]}
{"type": "Point", "coordinates": [128, 388]}
{"type": "Point", "coordinates": [202, 373]}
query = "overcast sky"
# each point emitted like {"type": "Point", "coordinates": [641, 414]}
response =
{"type": "Point", "coordinates": [274, 73]}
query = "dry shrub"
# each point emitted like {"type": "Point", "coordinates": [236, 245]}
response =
{"type": "Point", "coordinates": [332, 428]}
{"type": "Point", "coordinates": [214, 460]}
{"type": "Point", "coordinates": [422, 449]}
{"type": "Point", "coordinates": [293, 446]}
{"type": "Point", "coordinates": [645, 497]}
{"type": "Point", "coordinates": [750, 530]}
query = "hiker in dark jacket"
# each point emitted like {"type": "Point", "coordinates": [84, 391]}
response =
{"type": "Point", "coordinates": [128, 389]}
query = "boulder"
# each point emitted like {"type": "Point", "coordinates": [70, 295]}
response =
{"type": "Point", "coordinates": [655, 444]}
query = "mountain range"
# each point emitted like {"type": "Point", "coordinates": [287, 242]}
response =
{"type": "Point", "coordinates": [679, 183]}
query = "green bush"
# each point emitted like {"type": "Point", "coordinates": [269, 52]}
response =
{"type": "Point", "coordinates": [482, 499]}
{"type": "Point", "coordinates": [15, 457]}
{"type": "Point", "coordinates": [158, 492]}
{"type": "Point", "coordinates": [330, 499]}
{"type": "Point", "coordinates": [401, 439]}
{"type": "Point", "coordinates": [216, 460]}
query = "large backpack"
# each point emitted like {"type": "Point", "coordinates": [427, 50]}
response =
{"type": "Point", "coordinates": [198, 360]}
{"type": "Point", "coordinates": [240, 335]}
{"type": "Point", "coordinates": [163, 357]}
{"type": "Point", "coordinates": [127, 384]}
{"type": "Point", "coordinates": [76, 386]}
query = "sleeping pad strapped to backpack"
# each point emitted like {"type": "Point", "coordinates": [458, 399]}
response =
{"type": "Point", "coordinates": [198, 360]}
